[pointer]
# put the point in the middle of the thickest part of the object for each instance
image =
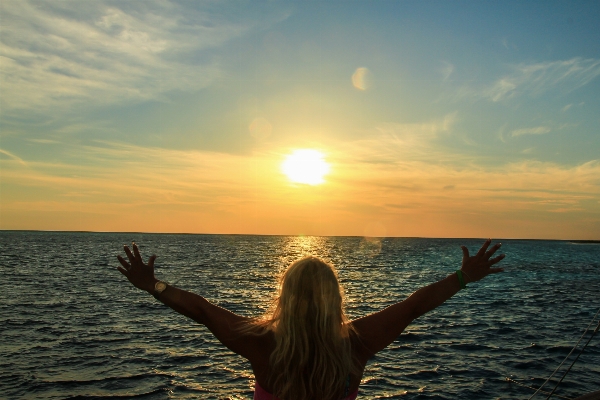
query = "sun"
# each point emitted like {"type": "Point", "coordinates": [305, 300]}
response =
{"type": "Point", "coordinates": [305, 166]}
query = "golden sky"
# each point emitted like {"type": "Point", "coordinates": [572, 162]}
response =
{"type": "Point", "coordinates": [178, 118]}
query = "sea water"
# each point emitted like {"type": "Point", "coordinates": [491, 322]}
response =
{"type": "Point", "coordinates": [73, 326]}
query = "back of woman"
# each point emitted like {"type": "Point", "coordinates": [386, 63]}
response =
{"type": "Point", "coordinates": [313, 353]}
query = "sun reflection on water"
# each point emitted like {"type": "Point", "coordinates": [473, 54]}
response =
{"type": "Point", "coordinates": [296, 247]}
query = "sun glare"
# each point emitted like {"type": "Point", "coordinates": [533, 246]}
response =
{"type": "Point", "coordinates": [305, 166]}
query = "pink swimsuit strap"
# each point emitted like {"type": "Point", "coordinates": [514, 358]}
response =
{"type": "Point", "coordinates": [262, 394]}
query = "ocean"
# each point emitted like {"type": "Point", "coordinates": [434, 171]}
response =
{"type": "Point", "coordinates": [74, 328]}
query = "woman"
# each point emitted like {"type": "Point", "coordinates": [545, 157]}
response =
{"type": "Point", "coordinates": [305, 347]}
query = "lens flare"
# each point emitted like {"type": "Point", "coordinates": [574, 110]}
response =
{"type": "Point", "coordinates": [260, 128]}
{"type": "Point", "coordinates": [361, 78]}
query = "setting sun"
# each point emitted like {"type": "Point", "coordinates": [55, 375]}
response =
{"type": "Point", "coordinates": [305, 166]}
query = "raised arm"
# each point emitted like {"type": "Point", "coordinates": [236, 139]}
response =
{"type": "Point", "coordinates": [378, 330]}
{"type": "Point", "coordinates": [221, 322]}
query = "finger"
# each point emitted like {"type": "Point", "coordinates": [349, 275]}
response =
{"type": "Point", "coordinates": [129, 255]}
{"type": "Point", "coordinates": [495, 259]}
{"type": "Point", "coordinates": [465, 252]}
{"type": "Point", "coordinates": [491, 251]}
{"type": "Point", "coordinates": [121, 270]}
{"type": "Point", "coordinates": [136, 252]}
{"type": "Point", "coordinates": [123, 262]}
{"type": "Point", "coordinates": [496, 270]}
{"type": "Point", "coordinates": [483, 248]}
{"type": "Point", "coordinates": [151, 260]}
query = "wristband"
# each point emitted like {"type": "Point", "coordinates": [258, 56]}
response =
{"type": "Point", "coordinates": [460, 279]}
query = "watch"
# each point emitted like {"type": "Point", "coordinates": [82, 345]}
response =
{"type": "Point", "coordinates": [159, 287]}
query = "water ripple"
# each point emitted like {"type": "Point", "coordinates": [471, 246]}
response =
{"type": "Point", "coordinates": [74, 328]}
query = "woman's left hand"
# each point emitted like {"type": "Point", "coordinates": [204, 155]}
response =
{"type": "Point", "coordinates": [139, 274]}
{"type": "Point", "coordinates": [479, 266]}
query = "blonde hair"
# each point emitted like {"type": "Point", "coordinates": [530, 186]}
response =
{"type": "Point", "coordinates": [313, 356]}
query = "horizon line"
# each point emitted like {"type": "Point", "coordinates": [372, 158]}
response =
{"type": "Point", "coordinates": [276, 234]}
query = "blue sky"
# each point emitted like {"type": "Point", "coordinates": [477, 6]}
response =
{"type": "Point", "coordinates": [470, 118]}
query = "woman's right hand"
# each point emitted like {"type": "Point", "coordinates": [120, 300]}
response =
{"type": "Point", "coordinates": [479, 266]}
{"type": "Point", "coordinates": [139, 274]}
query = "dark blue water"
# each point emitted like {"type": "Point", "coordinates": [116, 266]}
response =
{"type": "Point", "coordinates": [73, 327]}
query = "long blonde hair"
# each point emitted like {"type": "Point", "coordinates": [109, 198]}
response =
{"type": "Point", "coordinates": [313, 356]}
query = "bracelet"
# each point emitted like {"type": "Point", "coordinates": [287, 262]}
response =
{"type": "Point", "coordinates": [460, 279]}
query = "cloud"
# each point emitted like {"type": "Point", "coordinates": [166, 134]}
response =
{"type": "Point", "coordinates": [10, 156]}
{"type": "Point", "coordinates": [124, 171]}
{"type": "Point", "coordinates": [414, 136]}
{"type": "Point", "coordinates": [530, 189]}
{"type": "Point", "coordinates": [58, 54]}
{"type": "Point", "coordinates": [538, 130]}
{"type": "Point", "coordinates": [447, 70]}
{"type": "Point", "coordinates": [536, 79]}
{"type": "Point", "coordinates": [400, 176]}
{"type": "Point", "coordinates": [501, 89]}
{"type": "Point", "coordinates": [126, 187]}
{"type": "Point", "coordinates": [43, 141]}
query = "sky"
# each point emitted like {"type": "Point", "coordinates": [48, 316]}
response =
{"type": "Point", "coordinates": [435, 118]}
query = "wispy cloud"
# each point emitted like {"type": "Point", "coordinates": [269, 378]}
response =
{"type": "Point", "coordinates": [536, 79]}
{"type": "Point", "coordinates": [504, 198]}
{"type": "Point", "coordinates": [538, 130]}
{"type": "Point", "coordinates": [58, 54]}
{"type": "Point", "coordinates": [403, 140]}
{"type": "Point", "coordinates": [10, 156]}
{"type": "Point", "coordinates": [447, 70]}
{"type": "Point", "coordinates": [428, 176]}
{"type": "Point", "coordinates": [43, 141]}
